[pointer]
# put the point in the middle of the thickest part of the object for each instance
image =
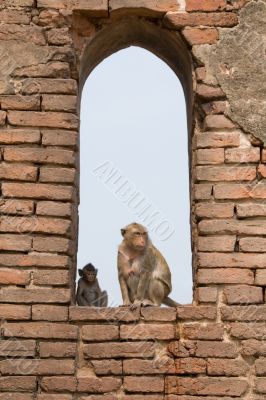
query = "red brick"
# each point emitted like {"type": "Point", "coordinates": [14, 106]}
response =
{"type": "Point", "coordinates": [200, 73]}
{"type": "Point", "coordinates": [166, 314]}
{"type": "Point", "coordinates": [260, 367]}
{"type": "Point", "coordinates": [218, 122]}
{"type": "Point", "coordinates": [18, 383]}
{"type": "Point", "coordinates": [209, 92]}
{"type": "Point", "coordinates": [163, 365]}
{"type": "Point", "coordinates": [42, 330]}
{"type": "Point", "coordinates": [205, 5]}
{"type": "Point", "coordinates": [119, 350]}
{"type": "Point", "coordinates": [149, 8]}
{"type": "Point", "coordinates": [14, 312]}
{"type": "Point", "coordinates": [203, 191]}
{"type": "Point", "coordinates": [53, 208]}
{"type": "Point", "coordinates": [18, 207]}
{"type": "Point", "coordinates": [148, 331]}
{"type": "Point", "coordinates": [210, 156]}
{"type": "Point", "coordinates": [96, 8]}
{"type": "Point", "coordinates": [195, 313]}
{"type": "Point", "coordinates": [253, 330]}
{"type": "Point", "coordinates": [218, 139]}
{"type": "Point", "coordinates": [225, 275]}
{"type": "Point", "coordinates": [214, 174]}
{"type": "Point", "coordinates": [247, 313]}
{"type": "Point", "coordinates": [17, 3]}
{"type": "Point", "coordinates": [59, 138]}
{"type": "Point", "coordinates": [34, 224]}
{"type": "Point", "coordinates": [190, 366]}
{"type": "Point", "coordinates": [240, 191]}
{"type": "Point", "coordinates": [47, 85]}
{"type": "Point", "coordinates": [40, 295]}
{"type": "Point", "coordinates": [53, 69]}
{"type": "Point", "coordinates": [64, 175]}
{"type": "Point", "coordinates": [57, 350]}
{"type": "Point", "coordinates": [205, 386]}
{"type": "Point", "coordinates": [34, 260]}
{"type": "Point", "coordinates": [14, 17]}
{"type": "Point", "coordinates": [212, 210]}
{"type": "Point", "coordinates": [243, 294]}
{"type": "Point", "coordinates": [203, 332]}
{"type": "Point", "coordinates": [251, 210]}
{"type": "Point", "coordinates": [45, 277]}
{"type": "Point", "coordinates": [59, 103]}
{"type": "Point", "coordinates": [59, 36]}
{"type": "Point", "coordinates": [216, 349]}
{"type": "Point", "coordinates": [19, 102]}
{"type": "Point", "coordinates": [14, 277]}
{"type": "Point", "coordinates": [17, 136]}
{"type": "Point", "coordinates": [115, 314]}
{"type": "Point", "coordinates": [246, 227]}
{"type": "Point", "coordinates": [214, 260]}
{"type": "Point", "coordinates": [40, 155]}
{"type": "Point", "coordinates": [216, 243]}
{"type": "Point", "coordinates": [207, 294]}
{"type": "Point", "coordinates": [54, 397]}
{"type": "Point", "coordinates": [37, 190]}
{"type": "Point", "coordinates": [196, 36]}
{"type": "Point", "coordinates": [95, 333]}
{"type": "Point", "coordinates": [59, 384]}
{"type": "Point", "coordinates": [38, 367]}
{"type": "Point", "coordinates": [107, 367]}
{"type": "Point", "coordinates": [14, 348]}
{"type": "Point", "coordinates": [98, 385]}
{"type": "Point", "coordinates": [19, 172]}
{"type": "Point", "coordinates": [42, 312]}
{"type": "Point", "coordinates": [252, 244]}
{"type": "Point", "coordinates": [2, 118]}
{"type": "Point", "coordinates": [215, 107]}
{"type": "Point", "coordinates": [52, 244]}
{"type": "Point", "coordinates": [249, 155]}
{"type": "Point", "coordinates": [30, 34]}
{"type": "Point", "coordinates": [43, 119]}
{"type": "Point", "coordinates": [15, 242]}
{"type": "Point", "coordinates": [262, 170]}
{"type": "Point", "coordinates": [144, 384]}
{"type": "Point", "coordinates": [182, 349]}
{"type": "Point", "coordinates": [260, 277]}
{"type": "Point", "coordinates": [178, 20]}
{"type": "Point", "coordinates": [227, 367]}
{"type": "Point", "coordinates": [253, 347]}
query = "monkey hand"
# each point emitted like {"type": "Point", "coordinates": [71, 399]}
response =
{"type": "Point", "coordinates": [131, 272]}
{"type": "Point", "coordinates": [136, 304]}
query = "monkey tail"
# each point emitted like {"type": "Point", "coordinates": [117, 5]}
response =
{"type": "Point", "coordinates": [170, 303]}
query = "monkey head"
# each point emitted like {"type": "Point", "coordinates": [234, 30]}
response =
{"type": "Point", "coordinates": [135, 236]}
{"type": "Point", "coordinates": [89, 273]}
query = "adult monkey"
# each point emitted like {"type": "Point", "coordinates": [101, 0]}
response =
{"type": "Point", "coordinates": [144, 275]}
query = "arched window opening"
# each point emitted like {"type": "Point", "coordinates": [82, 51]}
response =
{"type": "Point", "coordinates": [134, 166]}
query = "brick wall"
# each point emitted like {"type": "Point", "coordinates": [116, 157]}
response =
{"type": "Point", "coordinates": [52, 350]}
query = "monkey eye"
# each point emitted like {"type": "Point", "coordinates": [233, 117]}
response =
{"type": "Point", "coordinates": [137, 233]}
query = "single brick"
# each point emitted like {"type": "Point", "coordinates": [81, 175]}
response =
{"type": "Point", "coordinates": [18, 383]}
{"type": "Point", "coordinates": [216, 243]}
{"type": "Point", "coordinates": [37, 190]}
{"type": "Point", "coordinates": [148, 331]}
{"type": "Point", "coordinates": [179, 20]}
{"type": "Point", "coordinates": [14, 348]}
{"type": "Point", "coordinates": [251, 210]}
{"type": "Point", "coordinates": [205, 5]}
{"type": "Point", "coordinates": [247, 313]}
{"type": "Point", "coordinates": [38, 367]}
{"type": "Point", "coordinates": [43, 119]}
{"type": "Point", "coordinates": [252, 244]}
{"type": "Point", "coordinates": [45, 277]}
{"type": "Point", "coordinates": [203, 191]}
{"type": "Point", "coordinates": [225, 367]}
{"type": "Point", "coordinates": [19, 136]}
{"type": "Point", "coordinates": [52, 244]}
{"type": "Point", "coordinates": [214, 174]}
{"type": "Point", "coordinates": [240, 260]}
{"type": "Point", "coordinates": [52, 69]}
{"type": "Point", "coordinates": [144, 384]}
{"type": "Point", "coordinates": [53, 208]}
{"type": "Point", "coordinates": [18, 102]}
{"type": "Point", "coordinates": [253, 330]}
{"type": "Point", "coordinates": [225, 275]}
{"type": "Point", "coordinates": [196, 36]}
{"type": "Point", "coordinates": [207, 294]}
{"type": "Point", "coordinates": [94, 333]}
{"type": "Point", "coordinates": [208, 92]}
{"type": "Point", "coordinates": [41, 312]}
{"type": "Point", "coordinates": [218, 122]}
{"type": "Point", "coordinates": [240, 191]}
{"type": "Point", "coordinates": [215, 107]}
{"type": "Point", "coordinates": [17, 207]}
{"type": "Point", "coordinates": [14, 277]}
{"type": "Point", "coordinates": [210, 156]}
{"type": "Point", "coordinates": [119, 350]}
{"type": "Point", "coordinates": [217, 139]}
{"type": "Point", "coordinates": [14, 312]}
{"type": "Point", "coordinates": [195, 313]}
{"type": "Point", "coordinates": [107, 367]}
{"type": "Point", "coordinates": [212, 210]}
{"type": "Point", "coordinates": [40, 155]}
{"type": "Point", "coordinates": [61, 175]}
{"type": "Point", "coordinates": [57, 350]}
{"type": "Point", "coordinates": [260, 277]}
{"type": "Point", "coordinates": [47, 85]}
{"type": "Point", "coordinates": [242, 294]}
{"type": "Point", "coordinates": [40, 295]}
{"type": "Point", "coordinates": [42, 330]}
{"type": "Point", "coordinates": [207, 332]}
{"type": "Point", "coordinates": [223, 226]}
{"type": "Point", "coordinates": [15, 242]}
{"type": "Point", "coordinates": [216, 349]}
{"type": "Point", "coordinates": [18, 172]}
{"type": "Point", "coordinates": [249, 155]}
{"type": "Point", "coordinates": [51, 102]}
{"type": "Point", "coordinates": [149, 8]}
{"type": "Point", "coordinates": [59, 138]}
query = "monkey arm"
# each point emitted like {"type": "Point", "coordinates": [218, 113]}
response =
{"type": "Point", "coordinates": [122, 265]}
{"type": "Point", "coordinates": [79, 297]}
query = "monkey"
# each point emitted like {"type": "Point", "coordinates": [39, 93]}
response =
{"type": "Point", "coordinates": [144, 275]}
{"type": "Point", "coordinates": [89, 292]}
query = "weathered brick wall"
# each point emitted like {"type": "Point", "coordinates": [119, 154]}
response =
{"type": "Point", "coordinates": [52, 350]}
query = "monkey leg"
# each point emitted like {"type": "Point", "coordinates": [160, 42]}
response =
{"type": "Point", "coordinates": [156, 292]}
{"type": "Point", "coordinates": [103, 300]}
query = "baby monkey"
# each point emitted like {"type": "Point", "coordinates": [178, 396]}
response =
{"type": "Point", "coordinates": [89, 292]}
{"type": "Point", "coordinates": [144, 275]}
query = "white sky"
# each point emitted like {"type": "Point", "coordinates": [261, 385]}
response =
{"type": "Point", "coordinates": [134, 140]}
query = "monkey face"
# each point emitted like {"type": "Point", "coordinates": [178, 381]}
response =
{"type": "Point", "coordinates": [89, 276]}
{"type": "Point", "coordinates": [136, 237]}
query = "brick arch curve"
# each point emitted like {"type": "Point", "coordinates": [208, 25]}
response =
{"type": "Point", "coordinates": [167, 45]}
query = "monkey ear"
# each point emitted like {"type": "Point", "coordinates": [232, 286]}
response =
{"type": "Point", "coordinates": [80, 273]}
{"type": "Point", "coordinates": [123, 231]}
